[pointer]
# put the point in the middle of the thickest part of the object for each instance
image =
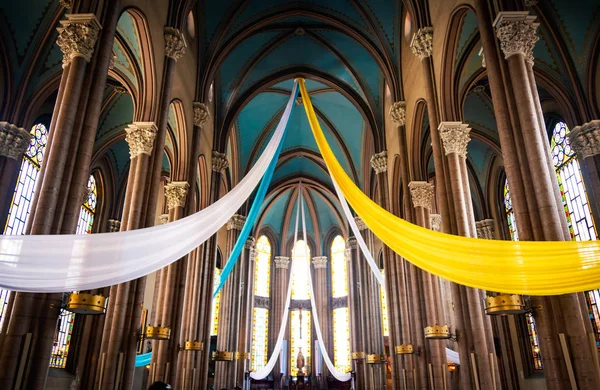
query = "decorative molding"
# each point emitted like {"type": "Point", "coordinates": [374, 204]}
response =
{"type": "Point", "coordinates": [68, 4]}
{"type": "Point", "coordinates": [360, 223]}
{"type": "Point", "coordinates": [236, 222]}
{"type": "Point", "coordinates": [201, 114]}
{"type": "Point", "coordinates": [219, 162]}
{"type": "Point", "coordinates": [120, 90]}
{"type": "Point", "coordinates": [455, 137]}
{"type": "Point", "coordinates": [319, 262]}
{"type": "Point", "coordinates": [140, 137]}
{"type": "Point", "coordinates": [379, 162]}
{"type": "Point", "coordinates": [479, 89]}
{"type": "Point", "coordinates": [398, 113]}
{"type": "Point", "coordinates": [174, 43]}
{"type": "Point", "coordinates": [339, 302]}
{"type": "Point", "coordinates": [113, 225]}
{"type": "Point", "coordinates": [530, 3]}
{"type": "Point", "coordinates": [436, 222]}
{"type": "Point", "coordinates": [303, 304]}
{"type": "Point", "coordinates": [422, 42]}
{"type": "Point", "coordinates": [585, 139]}
{"type": "Point", "coordinates": [351, 242]}
{"type": "Point", "coordinates": [348, 254]}
{"type": "Point", "coordinates": [176, 193]}
{"type": "Point", "coordinates": [421, 193]}
{"type": "Point", "coordinates": [262, 302]}
{"type": "Point", "coordinates": [482, 55]}
{"type": "Point", "coordinates": [77, 36]}
{"type": "Point", "coordinates": [485, 229]}
{"type": "Point", "coordinates": [111, 60]}
{"type": "Point", "coordinates": [282, 262]}
{"type": "Point", "coordinates": [163, 219]}
{"type": "Point", "coordinates": [299, 101]}
{"type": "Point", "coordinates": [250, 243]}
{"type": "Point", "coordinates": [516, 31]}
{"type": "Point", "coordinates": [13, 141]}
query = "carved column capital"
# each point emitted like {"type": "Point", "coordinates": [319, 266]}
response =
{"type": "Point", "coordinates": [201, 114]}
{"type": "Point", "coordinates": [13, 140]}
{"type": "Point", "coordinates": [77, 36]}
{"type": "Point", "coordinates": [422, 42]}
{"type": "Point", "coordinates": [516, 31]}
{"type": "Point", "coordinates": [250, 243]}
{"type": "Point", "coordinates": [176, 192]}
{"type": "Point", "coordinates": [398, 113]}
{"type": "Point", "coordinates": [219, 162]}
{"type": "Point", "coordinates": [360, 223]}
{"type": "Point", "coordinates": [351, 244]}
{"type": "Point", "coordinates": [455, 137]}
{"type": "Point", "coordinates": [113, 225]}
{"type": "Point", "coordinates": [585, 139]}
{"type": "Point", "coordinates": [436, 222]}
{"type": "Point", "coordinates": [236, 222]}
{"type": "Point", "coordinates": [282, 262]}
{"type": "Point", "coordinates": [319, 262]}
{"type": "Point", "coordinates": [174, 43]}
{"type": "Point", "coordinates": [421, 193]}
{"type": "Point", "coordinates": [163, 219]}
{"type": "Point", "coordinates": [485, 229]}
{"type": "Point", "coordinates": [482, 55]}
{"type": "Point", "coordinates": [379, 162]}
{"type": "Point", "coordinates": [140, 137]}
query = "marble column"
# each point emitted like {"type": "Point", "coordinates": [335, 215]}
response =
{"type": "Point", "coordinates": [13, 143]}
{"type": "Point", "coordinates": [323, 309]}
{"type": "Point", "coordinates": [585, 141]}
{"type": "Point", "coordinates": [422, 197]}
{"type": "Point", "coordinates": [564, 315]}
{"type": "Point", "coordinates": [230, 311]}
{"type": "Point", "coordinates": [280, 286]}
{"type": "Point", "coordinates": [357, 336]}
{"type": "Point", "coordinates": [36, 314]}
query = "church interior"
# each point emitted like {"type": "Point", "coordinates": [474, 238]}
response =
{"type": "Point", "coordinates": [345, 254]}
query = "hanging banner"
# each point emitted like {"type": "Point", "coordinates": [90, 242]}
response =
{"type": "Point", "coordinates": [533, 268]}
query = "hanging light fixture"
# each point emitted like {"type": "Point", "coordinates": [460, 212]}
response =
{"type": "Point", "coordinates": [504, 304]}
{"type": "Point", "coordinates": [404, 349]}
{"type": "Point", "coordinates": [158, 332]}
{"type": "Point", "coordinates": [84, 303]}
{"type": "Point", "coordinates": [193, 346]}
{"type": "Point", "coordinates": [437, 332]}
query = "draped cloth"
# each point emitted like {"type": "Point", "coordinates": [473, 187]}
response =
{"type": "Point", "coordinates": [57, 263]}
{"type": "Point", "coordinates": [523, 267]}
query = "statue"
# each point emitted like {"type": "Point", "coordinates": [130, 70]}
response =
{"type": "Point", "coordinates": [300, 361]}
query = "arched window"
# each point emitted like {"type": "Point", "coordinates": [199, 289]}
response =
{"type": "Point", "coordinates": [88, 209]}
{"type": "Point", "coordinates": [341, 316]}
{"type": "Point", "coordinates": [300, 320]}
{"type": "Point", "coordinates": [216, 304]}
{"type": "Point", "coordinates": [260, 320]}
{"type": "Point", "coordinates": [510, 215]}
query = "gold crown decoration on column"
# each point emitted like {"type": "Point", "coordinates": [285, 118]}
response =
{"type": "Point", "coordinates": [140, 138]}
{"type": "Point", "coordinates": [77, 36]}
{"type": "Point", "coordinates": [158, 332]}
{"type": "Point", "coordinates": [174, 43]}
{"type": "Point", "coordinates": [201, 114]}
{"type": "Point", "coordinates": [455, 137]}
{"type": "Point", "coordinates": [437, 332]}
{"type": "Point", "coordinates": [379, 162]}
{"type": "Point", "coordinates": [176, 192]}
{"type": "Point", "coordinates": [84, 303]}
{"type": "Point", "coordinates": [585, 139]}
{"type": "Point", "coordinates": [517, 33]}
{"type": "Point", "coordinates": [374, 358]}
{"type": "Point", "coordinates": [219, 162]}
{"type": "Point", "coordinates": [319, 262]}
{"type": "Point", "coordinates": [222, 356]}
{"type": "Point", "coordinates": [504, 304]}
{"type": "Point", "coordinates": [422, 42]}
{"type": "Point", "coordinates": [398, 113]}
{"type": "Point", "coordinates": [421, 193]}
{"type": "Point", "coordinates": [13, 141]}
{"type": "Point", "coordinates": [404, 349]}
{"type": "Point", "coordinates": [358, 355]}
{"type": "Point", "coordinates": [241, 356]}
{"type": "Point", "coordinates": [193, 346]}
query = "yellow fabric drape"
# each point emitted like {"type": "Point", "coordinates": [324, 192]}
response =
{"type": "Point", "coordinates": [522, 267]}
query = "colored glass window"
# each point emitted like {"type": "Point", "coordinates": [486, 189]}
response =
{"type": "Point", "coordinates": [260, 319]}
{"type": "Point", "coordinates": [216, 304]}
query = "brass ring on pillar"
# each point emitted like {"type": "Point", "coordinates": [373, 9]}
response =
{"type": "Point", "coordinates": [358, 356]}
{"type": "Point", "coordinates": [374, 358]}
{"type": "Point", "coordinates": [437, 332]}
{"type": "Point", "coordinates": [504, 304]}
{"type": "Point", "coordinates": [193, 346]}
{"type": "Point", "coordinates": [241, 355]}
{"type": "Point", "coordinates": [404, 349]}
{"type": "Point", "coordinates": [82, 303]}
{"type": "Point", "coordinates": [158, 332]}
{"type": "Point", "coordinates": [222, 356]}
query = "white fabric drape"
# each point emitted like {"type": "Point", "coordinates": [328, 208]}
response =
{"type": "Point", "coordinates": [57, 263]}
{"type": "Point", "coordinates": [340, 376]}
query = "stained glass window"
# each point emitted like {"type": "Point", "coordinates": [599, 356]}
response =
{"type": "Point", "coordinates": [534, 342]}
{"type": "Point", "coordinates": [216, 304]}
{"type": "Point", "coordinates": [300, 256]}
{"type": "Point", "coordinates": [62, 339]}
{"type": "Point", "coordinates": [88, 209]}
{"type": "Point", "coordinates": [339, 268]}
{"type": "Point", "coordinates": [300, 320]}
{"type": "Point", "coordinates": [510, 215]}
{"type": "Point", "coordinates": [384, 312]}
{"type": "Point", "coordinates": [341, 319]}
{"type": "Point", "coordinates": [260, 320]}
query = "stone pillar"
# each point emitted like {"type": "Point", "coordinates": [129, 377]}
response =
{"type": "Point", "coordinates": [13, 143]}
{"type": "Point", "coordinates": [357, 336]}
{"type": "Point", "coordinates": [230, 311]}
{"type": "Point", "coordinates": [398, 116]}
{"type": "Point", "coordinates": [585, 141]}
{"type": "Point", "coordinates": [431, 301]}
{"type": "Point", "coordinates": [323, 308]}
{"type": "Point", "coordinates": [561, 315]}
{"type": "Point", "coordinates": [246, 310]}
{"type": "Point", "coordinates": [455, 137]}
{"type": "Point", "coordinates": [280, 286]}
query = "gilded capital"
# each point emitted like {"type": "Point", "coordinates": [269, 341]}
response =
{"type": "Point", "coordinates": [379, 162]}
{"type": "Point", "coordinates": [516, 31]}
{"type": "Point", "coordinates": [140, 137]}
{"type": "Point", "coordinates": [421, 193]}
{"type": "Point", "coordinates": [282, 262]}
{"type": "Point", "coordinates": [422, 42]}
{"type": "Point", "coordinates": [236, 222]}
{"type": "Point", "coordinates": [113, 225]}
{"type": "Point", "coordinates": [398, 113]}
{"type": "Point", "coordinates": [13, 141]}
{"type": "Point", "coordinates": [201, 114]}
{"type": "Point", "coordinates": [77, 36]}
{"type": "Point", "coordinates": [436, 222]}
{"type": "Point", "coordinates": [174, 43]}
{"type": "Point", "coordinates": [585, 139]}
{"type": "Point", "coordinates": [360, 223]}
{"type": "Point", "coordinates": [163, 219]}
{"type": "Point", "coordinates": [176, 192]}
{"type": "Point", "coordinates": [219, 162]}
{"type": "Point", "coordinates": [455, 137]}
{"type": "Point", "coordinates": [485, 229]}
{"type": "Point", "coordinates": [319, 262]}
